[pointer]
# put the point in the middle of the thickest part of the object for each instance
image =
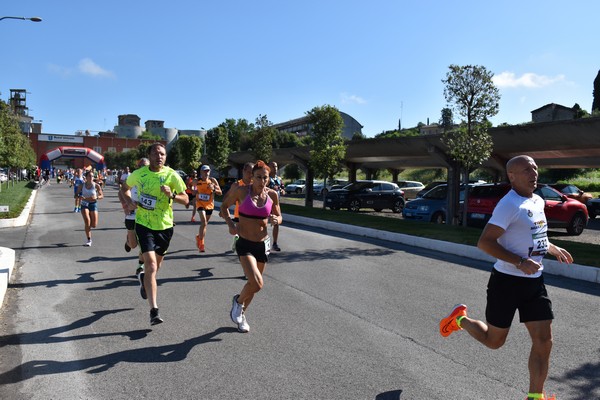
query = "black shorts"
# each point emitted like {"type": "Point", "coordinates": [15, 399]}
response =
{"type": "Point", "coordinates": [191, 197]}
{"type": "Point", "coordinates": [507, 293]}
{"type": "Point", "coordinates": [259, 250]}
{"type": "Point", "coordinates": [157, 241]}
{"type": "Point", "coordinates": [130, 224]}
{"type": "Point", "coordinates": [208, 212]}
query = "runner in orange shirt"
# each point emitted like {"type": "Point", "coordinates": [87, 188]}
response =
{"type": "Point", "coordinates": [205, 202]}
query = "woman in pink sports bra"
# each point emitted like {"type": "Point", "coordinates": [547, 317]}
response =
{"type": "Point", "coordinates": [259, 206]}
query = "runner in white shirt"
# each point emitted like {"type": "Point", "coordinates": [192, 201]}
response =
{"type": "Point", "coordinates": [516, 236]}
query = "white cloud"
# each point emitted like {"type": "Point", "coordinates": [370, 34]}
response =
{"type": "Point", "coordinates": [59, 70]}
{"type": "Point", "coordinates": [88, 67]}
{"type": "Point", "coordinates": [352, 98]}
{"type": "Point", "coordinates": [527, 80]}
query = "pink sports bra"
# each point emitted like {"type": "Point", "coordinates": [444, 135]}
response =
{"type": "Point", "coordinates": [249, 209]}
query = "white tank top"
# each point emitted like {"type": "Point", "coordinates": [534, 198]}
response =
{"type": "Point", "coordinates": [85, 192]}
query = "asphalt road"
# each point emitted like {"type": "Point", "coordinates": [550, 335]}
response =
{"type": "Point", "coordinates": [338, 318]}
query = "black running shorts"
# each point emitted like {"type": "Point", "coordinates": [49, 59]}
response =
{"type": "Point", "coordinates": [258, 250]}
{"type": "Point", "coordinates": [157, 241]}
{"type": "Point", "coordinates": [208, 212]}
{"type": "Point", "coordinates": [130, 224]}
{"type": "Point", "coordinates": [507, 293]}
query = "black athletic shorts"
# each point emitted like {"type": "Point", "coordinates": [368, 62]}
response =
{"type": "Point", "coordinates": [259, 250]}
{"type": "Point", "coordinates": [208, 212]}
{"type": "Point", "coordinates": [157, 241]}
{"type": "Point", "coordinates": [130, 224]}
{"type": "Point", "coordinates": [507, 293]}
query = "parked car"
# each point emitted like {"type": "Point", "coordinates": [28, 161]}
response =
{"type": "Point", "coordinates": [561, 211]}
{"type": "Point", "coordinates": [366, 194]}
{"type": "Point", "coordinates": [431, 207]}
{"type": "Point", "coordinates": [410, 188]}
{"type": "Point", "coordinates": [430, 186]}
{"type": "Point", "coordinates": [593, 207]}
{"type": "Point", "coordinates": [3, 177]}
{"type": "Point", "coordinates": [320, 189]}
{"type": "Point", "coordinates": [572, 192]}
{"type": "Point", "coordinates": [298, 186]}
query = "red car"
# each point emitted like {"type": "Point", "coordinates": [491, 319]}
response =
{"type": "Point", "coordinates": [561, 211]}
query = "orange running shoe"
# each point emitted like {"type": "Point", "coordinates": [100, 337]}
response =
{"type": "Point", "coordinates": [200, 244]}
{"type": "Point", "coordinates": [193, 219]}
{"type": "Point", "coordinates": [448, 324]}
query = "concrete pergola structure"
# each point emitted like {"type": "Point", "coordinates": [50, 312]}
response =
{"type": "Point", "coordinates": [559, 144]}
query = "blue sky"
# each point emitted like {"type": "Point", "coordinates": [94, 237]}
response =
{"type": "Point", "coordinates": [193, 64]}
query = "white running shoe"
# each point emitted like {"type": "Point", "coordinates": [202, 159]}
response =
{"type": "Point", "coordinates": [237, 310]}
{"type": "Point", "coordinates": [88, 243]}
{"type": "Point", "coordinates": [243, 325]}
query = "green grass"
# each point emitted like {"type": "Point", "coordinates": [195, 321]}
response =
{"type": "Point", "coordinates": [584, 253]}
{"type": "Point", "coordinates": [15, 197]}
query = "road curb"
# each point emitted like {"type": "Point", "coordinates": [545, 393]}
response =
{"type": "Point", "coordinates": [7, 256]}
{"type": "Point", "coordinates": [553, 267]}
{"type": "Point", "coordinates": [7, 263]}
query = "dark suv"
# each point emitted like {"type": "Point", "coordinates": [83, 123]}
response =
{"type": "Point", "coordinates": [366, 194]}
{"type": "Point", "coordinates": [561, 211]}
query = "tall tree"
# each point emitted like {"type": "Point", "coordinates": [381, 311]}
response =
{"type": "Point", "coordinates": [327, 148]}
{"type": "Point", "coordinates": [264, 135]}
{"type": "Point", "coordinates": [470, 91]}
{"type": "Point", "coordinates": [15, 148]}
{"type": "Point", "coordinates": [447, 119]}
{"type": "Point", "coordinates": [189, 149]}
{"type": "Point", "coordinates": [596, 94]}
{"type": "Point", "coordinates": [237, 130]}
{"type": "Point", "coordinates": [217, 147]}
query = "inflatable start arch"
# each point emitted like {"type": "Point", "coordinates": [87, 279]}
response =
{"type": "Point", "coordinates": [78, 152]}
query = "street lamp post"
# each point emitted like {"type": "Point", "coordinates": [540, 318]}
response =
{"type": "Point", "coordinates": [34, 19]}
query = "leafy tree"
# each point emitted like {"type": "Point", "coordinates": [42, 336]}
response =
{"type": "Point", "coordinates": [285, 140]}
{"type": "Point", "coordinates": [447, 119]}
{"type": "Point", "coordinates": [15, 148]}
{"type": "Point", "coordinates": [149, 136]}
{"type": "Point", "coordinates": [470, 91]}
{"type": "Point", "coordinates": [217, 147]}
{"type": "Point", "coordinates": [173, 157]}
{"type": "Point", "coordinates": [292, 172]}
{"type": "Point", "coordinates": [596, 94]}
{"type": "Point", "coordinates": [237, 131]}
{"type": "Point", "coordinates": [189, 151]}
{"type": "Point", "coordinates": [327, 148]}
{"type": "Point", "coordinates": [358, 136]}
{"type": "Point", "coordinates": [580, 112]}
{"type": "Point", "coordinates": [399, 134]}
{"type": "Point", "coordinates": [263, 138]}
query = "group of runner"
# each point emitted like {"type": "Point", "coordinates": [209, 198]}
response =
{"type": "Point", "coordinates": [516, 235]}
{"type": "Point", "coordinates": [150, 190]}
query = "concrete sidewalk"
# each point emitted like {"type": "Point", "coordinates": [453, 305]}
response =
{"type": "Point", "coordinates": [574, 271]}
